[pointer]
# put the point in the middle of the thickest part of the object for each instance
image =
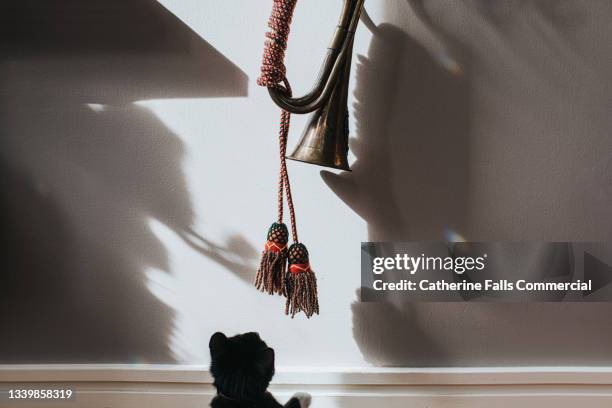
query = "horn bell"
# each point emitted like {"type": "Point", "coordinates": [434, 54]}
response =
{"type": "Point", "coordinates": [325, 139]}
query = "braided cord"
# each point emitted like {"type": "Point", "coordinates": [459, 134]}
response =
{"type": "Point", "coordinates": [273, 75]}
{"type": "Point", "coordinates": [284, 174]}
{"type": "Point", "coordinates": [273, 70]}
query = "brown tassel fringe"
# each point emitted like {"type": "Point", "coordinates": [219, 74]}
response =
{"type": "Point", "coordinates": [301, 283]}
{"type": "Point", "coordinates": [270, 276]}
{"type": "Point", "coordinates": [302, 294]}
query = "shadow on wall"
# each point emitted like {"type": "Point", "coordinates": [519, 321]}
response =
{"type": "Point", "coordinates": [84, 169]}
{"type": "Point", "coordinates": [410, 177]}
{"type": "Point", "coordinates": [410, 182]}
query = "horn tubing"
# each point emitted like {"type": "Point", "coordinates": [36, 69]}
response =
{"type": "Point", "coordinates": [333, 55]}
{"type": "Point", "coordinates": [338, 51]}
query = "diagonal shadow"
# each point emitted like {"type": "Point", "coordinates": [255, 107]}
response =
{"type": "Point", "coordinates": [83, 170]}
{"type": "Point", "coordinates": [136, 46]}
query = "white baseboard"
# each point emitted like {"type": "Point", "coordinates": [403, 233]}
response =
{"type": "Point", "coordinates": [157, 386]}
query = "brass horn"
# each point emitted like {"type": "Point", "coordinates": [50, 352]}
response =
{"type": "Point", "coordinates": [325, 139]}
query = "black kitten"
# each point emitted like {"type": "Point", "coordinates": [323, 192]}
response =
{"type": "Point", "coordinates": [242, 367]}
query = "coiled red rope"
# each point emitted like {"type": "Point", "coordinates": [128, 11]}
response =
{"type": "Point", "coordinates": [273, 70]}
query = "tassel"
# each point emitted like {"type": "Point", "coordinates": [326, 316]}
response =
{"type": "Point", "coordinates": [301, 285]}
{"type": "Point", "coordinates": [270, 276]}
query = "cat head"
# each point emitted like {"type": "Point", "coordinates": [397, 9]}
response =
{"type": "Point", "coordinates": [242, 366]}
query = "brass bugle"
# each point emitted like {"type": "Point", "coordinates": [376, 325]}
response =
{"type": "Point", "coordinates": [324, 142]}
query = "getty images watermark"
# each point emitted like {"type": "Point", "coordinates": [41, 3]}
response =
{"type": "Point", "coordinates": [485, 271]}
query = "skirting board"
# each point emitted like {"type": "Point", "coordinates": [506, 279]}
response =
{"type": "Point", "coordinates": [177, 386]}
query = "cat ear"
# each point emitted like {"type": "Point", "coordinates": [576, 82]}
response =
{"type": "Point", "coordinates": [268, 358]}
{"type": "Point", "coordinates": [217, 344]}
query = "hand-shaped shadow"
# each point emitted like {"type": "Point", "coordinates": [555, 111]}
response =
{"type": "Point", "coordinates": [84, 170]}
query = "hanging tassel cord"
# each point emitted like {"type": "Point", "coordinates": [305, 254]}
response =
{"type": "Point", "coordinates": [273, 75]}
{"type": "Point", "coordinates": [271, 275]}
{"type": "Point", "coordinates": [299, 285]}
{"type": "Point", "coordinates": [284, 175]}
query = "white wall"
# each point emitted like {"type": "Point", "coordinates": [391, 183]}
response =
{"type": "Point", "coordinates": [146, 182]}
{"type": "Point", "coordinates": [231, 170]}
